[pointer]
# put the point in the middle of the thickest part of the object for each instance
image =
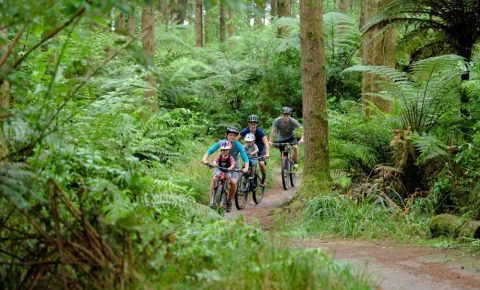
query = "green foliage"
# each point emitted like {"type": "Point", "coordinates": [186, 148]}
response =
{"type": "Point", "coordinates": [339, 215]}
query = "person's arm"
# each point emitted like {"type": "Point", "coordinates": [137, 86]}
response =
{"type": "Point", "coordinates": [267, 146]}
{"type": "Point", "coordinates": [242, 134]}
{"type": "Point", "coordinates": [298, 127]}
{"type": "Point", "coordinates": [232, 162]}
{"type": "Point", "coordinates": [272, 134]}
{"type": "Point", "coordinates": [210, 152]}
{"type": "Point", "coordinates": [255, 151]}
{"type": "Point", "coordinates": [215, 161]}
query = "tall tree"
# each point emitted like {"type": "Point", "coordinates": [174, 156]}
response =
{"type": "Point", "coordinates": [284, 10]}
{"type": "Point", "coordinates": [131, 24]}
{"type": "Point", "coordinates": [180, 11]}
{"type": "Point", "coordinates": [4, 98]}
{"type": "Point", "coordinates": [231, 22]}
{"type": "Point", "coordinates": [199, 23]}
{"type": "Point", "coordinates": [121, 22]}
{"type": "Point", "coordinates": [378, 48]}
{"type": "Point", "coordinates": [313, 78]}
{"type": "Point", "coordinates": [343, 6]}
{"type": "Point", "coordinates": [148, 28]}
{"type": "Point", "coordinates": [259, 13]}
{"type": "Point", "coordinates": [222, 22]}
{"type": "Point", "coordinates": [273, 8]}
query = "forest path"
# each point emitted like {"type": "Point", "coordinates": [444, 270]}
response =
{"type": "Point", "coordinates": [388, 265]}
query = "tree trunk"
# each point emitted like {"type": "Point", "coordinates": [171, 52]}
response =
{"type": "Point", "coordinates": [283, 10]}
{"type": "Point", "coordinates": [313, 77]}
{"type": "Point", "coordinates": [121, 22]}
{"type": "Point", "coordinates": [198, 23]}
{"type": "Point", "coordinates": [231, 23]}
{"type": "Point", "coordinates": [259, 13]}
{"type": "Point", "coordinates": [148, 28]}
{"type": "Point", "coordinates": [377, 49]}
{"type": "Point", "coordinates": [448, 224]}
{"type": "Point", "coordinates": [180, 11]}
{"type": "Point", "coordinates": [273, 9]}
{"type": "Point", "coordinates": [206, 25]}
{"type": "Point", "coordinates": [131, 24]}
{"type": "Point", "coordinates": [343, 6]}
{"type": "Point", "coordinates": [4, 103]}
{"type": "Point", "coordinates": [222, 22]}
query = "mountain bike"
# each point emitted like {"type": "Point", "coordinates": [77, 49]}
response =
{"type": "Point", "coordinates": [220, 189]}
{"type": "Point", "coordinates": [250, 183]}
{"type": "Point", "coordinates": [287, 163]}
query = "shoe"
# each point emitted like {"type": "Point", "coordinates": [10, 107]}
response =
{"type": "Point", "coordinates": [211, 204]}
{"type": "Point", "coordinates": [264, 181]}
{"type": "Point", "coordinates": [295, 165]}
{"type": "Point", "coordinates": [229, 206]}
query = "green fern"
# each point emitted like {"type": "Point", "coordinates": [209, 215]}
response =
{"type": "Point", "coordinates": [430, 147]}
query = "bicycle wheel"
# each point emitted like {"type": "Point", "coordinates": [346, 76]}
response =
{"type": "Point", "coordinates": [259, 191]}
{"type": "Point", "coordinates": [241, 196]}
{"type": "Point", "coordinates": [292, 174]}
{"type": "Point", "coordinates": [285, 171]}
{"type": "Point", "coordinates": [219, 199]}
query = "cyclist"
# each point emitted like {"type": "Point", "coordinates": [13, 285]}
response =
{"type": "Point", "coordinates": [284, 128]}
{"type": "Point", "coordinates": [226, 160]}
{"type": "Point", "coordinates": [260, 140]}
{"type": "Point", "coordinates": [252, 149]}
{"type": "Point", "coordinates": [232, 133]}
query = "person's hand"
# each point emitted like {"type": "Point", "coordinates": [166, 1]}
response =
{"type": "Point", "coordinates": [244, 169]}
{"type": "Point", "coordinates": [270, 142]}
{"type": "Point", "coordinates": [300, 141]}
{"type": "Point", "coordinates": [266, 156]}
{"type": "Point", "coordinates": [204, 161]}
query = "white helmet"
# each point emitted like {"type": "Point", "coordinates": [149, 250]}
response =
{"type": "Point", "coordinates": [250, 137]}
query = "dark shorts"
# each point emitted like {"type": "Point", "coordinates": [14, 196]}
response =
{"type": "Point", "coordinates": [292, 140]}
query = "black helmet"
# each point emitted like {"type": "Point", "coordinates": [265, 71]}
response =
{"type": "Point", "coordinates": [286, 110]}
{"type": "Point", "coordinates": [253, 119]}
{"type": "Point", "coordinates": [232, 129]}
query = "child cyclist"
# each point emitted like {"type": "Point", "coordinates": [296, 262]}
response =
{"type": "Point", "coordinates": [237, 148]}
{"type": "Point", "coordinates": [252, 150]}
{"type": "Point", "coordinates": [224, 160]}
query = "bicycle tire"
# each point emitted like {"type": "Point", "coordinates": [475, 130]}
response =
{"type": "Point", "coordinates": [241, 196]}
{"type": "Point", "coordinates": [219, 198]}
{"type": "Point", "coordinates": [259, 192]}
{"type": "Point", "coordinates": [292, 174]}
{"type": "Point", "coordinates": [285, 169]}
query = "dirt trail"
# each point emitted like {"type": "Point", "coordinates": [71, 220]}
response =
{"type": "Point", "coordinates": [390, 266]}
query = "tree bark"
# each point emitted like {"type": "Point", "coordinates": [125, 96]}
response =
{"type": "Point", "coordinates": [313, 78]}
{"type": "Point", "coordinates": [148, 28]}
{"type": "Point", "coordinates": [121, 22]}
{"type": "Point", "coordinates": [343, 6]}
{"type": "Point", "coordinates": [283, 10]}
{"type": "Point", "coordinates": [222, 22]}
{"type": "Point", "coordinates": [199, 23]}
{"type": "Point", "coordinates": [4, 104]}
{"type": "Point", "coordinates": [231, 23]}
{"type": "Point", "coordinates": [377, 49]}
{"type": "Point", "coordinates": [131, 24]}
{"type": "Point", "coordinates": [273, 8]}
{"type": "Point", "coordinates": [259, 13]}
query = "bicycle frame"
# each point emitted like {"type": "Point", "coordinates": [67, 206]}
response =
{"type": "Point", "coordinates": [286, 163]}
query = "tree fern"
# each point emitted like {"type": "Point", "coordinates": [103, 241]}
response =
{"type": "Point", "coordinates": [430, 147]}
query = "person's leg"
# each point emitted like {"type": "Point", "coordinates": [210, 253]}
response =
{"type": "Point", "coordinates": [212, 188]}
{"type": "Point", "coordinates": [232, 189]}
{"type": "Point", "coordinates": [295, 153]}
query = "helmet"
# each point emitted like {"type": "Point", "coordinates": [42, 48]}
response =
{"type": "Point", "coordinates": [232, 129]}
{"type": "Point", "coordinates": [225, 145]}
{"type": "Point", "coordinates": [286, 110]}
{"type": "Point", "coordinates": [253, 119]}
{"type": "Point", "coordinates": [250, 137]}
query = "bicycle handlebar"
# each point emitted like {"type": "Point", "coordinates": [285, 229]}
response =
{"type": "Point", "coordinates": [225, 169]}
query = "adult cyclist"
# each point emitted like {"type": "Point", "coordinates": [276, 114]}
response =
{"type": "Point", "coordinates": [261, 141]}
{"type": "Point", "coordinates": [283, 128]}
{"type": "Point", "coordinates": [232, 133]}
